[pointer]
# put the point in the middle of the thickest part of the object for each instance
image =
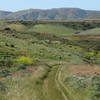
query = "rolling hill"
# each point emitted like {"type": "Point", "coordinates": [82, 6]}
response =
{"type": "Point", "coordinates": [51, 14]}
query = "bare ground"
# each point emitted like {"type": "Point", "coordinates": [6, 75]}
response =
{"type": "Point", "coordinates": [84, 70]}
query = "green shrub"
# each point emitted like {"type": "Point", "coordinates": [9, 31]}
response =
{"type": "Point", "coordinates": [4, 73]}
{"type": "Point", "coordinates": [20, 66]}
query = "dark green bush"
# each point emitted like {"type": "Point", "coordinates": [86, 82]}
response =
{"type": "Point", "coordinates": [4, 72]}
{"type": "Point", "coordinates": [20, 66]}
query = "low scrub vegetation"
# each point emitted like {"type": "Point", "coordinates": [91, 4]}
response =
{"type": "Point", "coordinates": [35, 57]}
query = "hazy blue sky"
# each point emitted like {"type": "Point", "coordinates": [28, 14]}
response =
{"type": "Point", "coordinates": [14, 5]}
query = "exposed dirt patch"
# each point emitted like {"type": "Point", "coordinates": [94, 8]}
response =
{"type": "Point", "coordinates": [31, 69]}
{"type": "Point", "coordinates": [84, 70]}
{"type": "Point", "coordinates": [28, 70]}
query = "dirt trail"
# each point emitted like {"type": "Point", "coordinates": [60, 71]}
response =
{"type": "Point", "coordinates": [51, 86]}
{"type": "Point", "coordinates": [57, 81]}
{"type": "Point", "coordinates": [66, 92]}
{"type": "Point", "coordinates": [58, 84]}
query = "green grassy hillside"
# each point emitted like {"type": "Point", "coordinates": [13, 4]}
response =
{"type": "Point", "coordinates": [95, 31]}
{"type": "Point", "coordinates": [52, 29]}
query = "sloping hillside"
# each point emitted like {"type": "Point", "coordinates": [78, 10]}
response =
{"type": "Point", "coordinates": [51, 14]}
{"type": "Point", "coordinates": [95, 31]}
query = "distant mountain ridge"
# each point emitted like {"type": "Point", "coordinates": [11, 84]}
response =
{"type": "Point", "coordinates": [4, 13]}
{"type": "Point", "coordinates": [50, 14]}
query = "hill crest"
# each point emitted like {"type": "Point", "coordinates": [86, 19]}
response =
{"type": "Point", "coordinates": [51, 14]}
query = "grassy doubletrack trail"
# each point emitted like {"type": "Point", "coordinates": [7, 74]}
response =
{"type": "Point", "coordinates": [53, 87]}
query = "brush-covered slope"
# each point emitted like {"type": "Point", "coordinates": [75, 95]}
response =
{"type": "Point", "coordinates": [35, 66]}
